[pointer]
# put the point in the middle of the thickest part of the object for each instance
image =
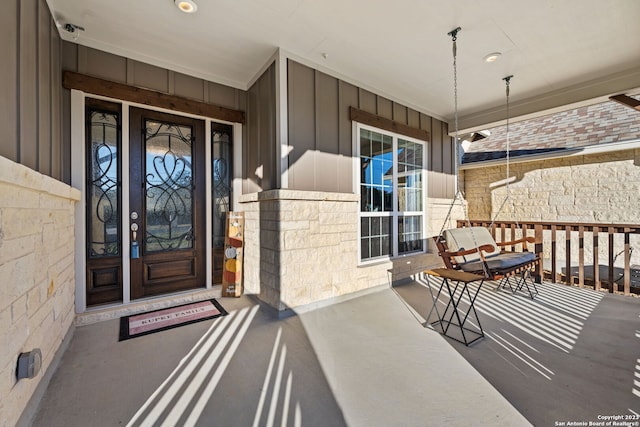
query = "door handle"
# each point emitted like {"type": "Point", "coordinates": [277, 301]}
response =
{"type": "Point", "coordinates": [135, 250]}
{"type": "Point", "coordinates": [134, 230]}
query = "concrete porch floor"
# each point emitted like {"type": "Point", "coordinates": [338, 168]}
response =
{"type": "Point", "coordinates": [569, 355]}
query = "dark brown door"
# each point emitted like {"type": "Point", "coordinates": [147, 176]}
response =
{"type": "Point", "coordinates": [103, 202]}
{"type": "Point", "coordinates": [222, 191]}
{"type": "Point", "coordinates": [167, 209]}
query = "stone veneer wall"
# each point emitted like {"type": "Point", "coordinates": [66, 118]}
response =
{"type": "Point", "coordinates": [37, 277]}
{"type": "Point", "coordinates": [596, 188]}
{"type": "Point", "coordinates": [301, 248]}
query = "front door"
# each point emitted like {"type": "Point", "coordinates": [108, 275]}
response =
{"type": "Point", "coordinates": [166, 203]}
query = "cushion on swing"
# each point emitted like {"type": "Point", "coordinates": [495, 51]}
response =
{"type": "Point", "coordinates": [500, 262]}
{"type": "Point", "coordinates": [468, 238]}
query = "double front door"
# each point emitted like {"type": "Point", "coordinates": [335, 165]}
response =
{"type": "Point", "coordinates": [163, 227]}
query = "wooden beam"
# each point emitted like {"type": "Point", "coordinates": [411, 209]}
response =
{"type": "Point", "coordinates": [626, 100]}
{"type": "Point", "coordinates": [366, 118]}
{"type": "Point", "coordinates": [97, 86]}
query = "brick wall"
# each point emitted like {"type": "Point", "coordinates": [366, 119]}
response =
{"type": "Point", "coordinates": [37, 276]}
{"type": "Point", "coordinates": [301, 248]}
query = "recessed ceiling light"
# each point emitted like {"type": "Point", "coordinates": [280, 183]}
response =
{"type": "Point", "coordinates": [187, 6]}
{"type": "Point", "coordinates": [492, 57]}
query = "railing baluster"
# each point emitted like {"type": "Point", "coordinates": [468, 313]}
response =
{"type": "Point", "coordinates": [538, 234]}
{"type": "Point", "coordinates": [596, 260]}
{"type": "Point", "coordinates": [563, 272]}
{"type": "Point", "coordinates": [612, 283]}
{"type": "Point", "coordinates": [567, 262]}
{"type": "Point", "coordinates": [554, 271]}
{"type": "Point", "coordinates": [627, 262]}
{"type": "Point", "coordinates": [581, 256]}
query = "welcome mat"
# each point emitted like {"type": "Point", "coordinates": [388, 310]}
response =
{"type": "Point", "coordinates": [169, 318]}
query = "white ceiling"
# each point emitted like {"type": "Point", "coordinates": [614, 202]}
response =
{"type": "Point", "coordinates": [559, 51]}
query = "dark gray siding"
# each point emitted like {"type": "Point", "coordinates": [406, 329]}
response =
{"type": "Point", "coordinates": [30, 90]}
{"type": "Point", "coordinates": [320, 133]}
{"type": "Point", "coordinates": [107, 66]}
{"type": "Point", "coordinates": [260, 163]}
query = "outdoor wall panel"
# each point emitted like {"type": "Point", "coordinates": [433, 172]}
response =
{"type": "Point", "coordinates": [327, 133]}
{"type": "Point", "coordinates": [368, 101]}
{"type": "Point", "coordinates": [28, 155]}
{"type": "Point", "coordinates": [425, 122]}
{"type": "Point", "coordinates": [400, 113]}
{"type": "Point", "coordinates": [44, 91]}
{"type": "Point", "coordinates": [30, 87]}
{"type": "Point", "coordinates": [223, 95]}
{"type": "Point", "coordinates": [188, 87]}
{"type": "Point", "coordinates": [101, 64]}
{"type": "Point", "coordinates": [413, 118]}
{"type": "Point", "coordinates": [260, 144]}
{"type": "Point", "coordinates": [317, 103]}
{"type": "Point", "coordinates": [267, 129]}
{"type": "Point", "coordinates": [385, 108]}
{"type": "Point", "coordinates": [302, 130]}
{"type": "Point", "coordinates": [9, 140]}
{"type": "Point", "coordinates": [150, 77]}
{"type": "Point", "coordinates": [348, 96]}
{"type": "Point", "coordinates": [57, 159]}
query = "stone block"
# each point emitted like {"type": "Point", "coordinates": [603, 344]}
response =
{"type": "Point", "coordinates": [20, 222]}
{"type": "Point", "coordinates": [19, 308]}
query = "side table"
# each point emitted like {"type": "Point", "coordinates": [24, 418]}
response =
{"type": "Point", "coordinates": [451, 281]}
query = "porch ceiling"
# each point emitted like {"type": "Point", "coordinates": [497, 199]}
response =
{"type": "Point", "coordinates": [562, 53]}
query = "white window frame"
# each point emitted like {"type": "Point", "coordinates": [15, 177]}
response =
{"type": "Point", "coordinates": [395, 214]}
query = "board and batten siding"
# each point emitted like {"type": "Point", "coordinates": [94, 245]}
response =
{"type": "Point", "coordinates": [320, 133]}
{"type": "Point", "coordinates": [30, 131]}
{"type": "Point", "coordinates": [260, 160]}
{"type": "Point", "coordinates": [107, 66]}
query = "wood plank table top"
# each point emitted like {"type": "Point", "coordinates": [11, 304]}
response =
{"type": "Point", "coordinates": [457, 275]}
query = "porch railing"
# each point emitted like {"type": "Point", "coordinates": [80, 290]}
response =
{"type": "Point", "coordinates": [595, 255]}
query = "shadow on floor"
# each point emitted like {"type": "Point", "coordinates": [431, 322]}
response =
{"type": "Point", "coordinates": [247, 368]}
{"type": "Point", "coordinates": [570, 354]}
{"type": "Point", "coordinates": [361, 362]}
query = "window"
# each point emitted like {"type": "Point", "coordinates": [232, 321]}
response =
{"type": "Point", "coordinates": [391, 194]}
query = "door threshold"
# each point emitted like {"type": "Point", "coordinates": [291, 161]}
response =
{"type": "Point", "coordinates": [114, 311]}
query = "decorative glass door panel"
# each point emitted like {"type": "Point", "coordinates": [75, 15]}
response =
{"type": "Point", "coordinates": [167, 203]}
{"type": "Point", "coordinates": [221, 149]}
{"type": "Point", "coordinates": [169, 187]}
{"type": "Point", "coordinates": [103, 207]}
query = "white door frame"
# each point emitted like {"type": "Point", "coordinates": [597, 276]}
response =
{"type": "Point", "coordinates": [78, 180]}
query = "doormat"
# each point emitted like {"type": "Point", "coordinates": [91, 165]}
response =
{"type": "Point", "coordinates": [169, 318]}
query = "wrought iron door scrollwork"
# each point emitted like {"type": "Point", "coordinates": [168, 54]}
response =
{"type": "Point", "coordinates": [103, 189]}
{"type": "Point", "coordinates": [169, 187]}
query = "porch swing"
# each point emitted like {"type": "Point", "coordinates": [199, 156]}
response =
{"type": "Point", "coordinates": [472, 249]}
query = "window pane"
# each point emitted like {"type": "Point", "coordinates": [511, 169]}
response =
{"type": "Point", "coordinates": [366, 199]}
{"type": "Point", "coordinates": [366, 175]}
{"type": "Point", "coordinates": [365, 252]}
{"type": "Point", "coordinates": [365, 143]}
{"type": "Point", "coordinates": [409, 234]}
{"type": "Point", "coordinates": [375, 247]}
